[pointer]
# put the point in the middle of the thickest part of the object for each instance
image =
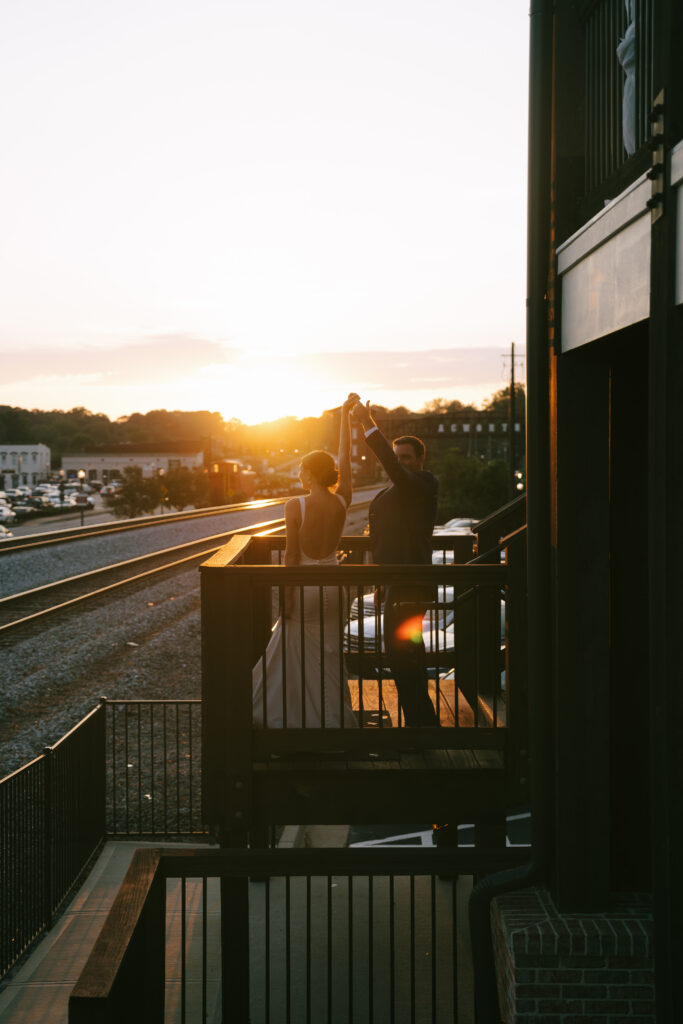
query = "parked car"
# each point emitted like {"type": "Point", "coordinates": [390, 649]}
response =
{"type": "Point", "coordinates": [5, 534]}
{"type": "Point", "coordinates": [24, 511]}
{"type": "Point", "coordinates": [40, 502]}
{"type": "Point", "coordinates": [7, 515]}
{"type": "Point", "coordinates": [81, 501]}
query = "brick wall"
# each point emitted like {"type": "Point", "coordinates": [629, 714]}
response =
{"type": "Point", "coordinates": [573, 969]}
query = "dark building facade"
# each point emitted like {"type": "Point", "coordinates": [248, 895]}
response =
{"type": "Point", "coordinates": [605, 505]}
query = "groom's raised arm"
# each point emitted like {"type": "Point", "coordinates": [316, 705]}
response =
{"type": "Point", "coordinates": [377, 442]}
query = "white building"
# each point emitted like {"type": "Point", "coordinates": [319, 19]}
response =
{"type": "Point", "coordinates": [25, 464]}
{"type": "Point", "coordinates": [108, 462]}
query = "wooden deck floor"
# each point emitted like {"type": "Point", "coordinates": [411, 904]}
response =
{"type": "Point", "coordinates": [387, 785]}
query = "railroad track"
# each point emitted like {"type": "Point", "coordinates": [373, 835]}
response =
{"type": "Point", "coordinates": [72, 533]}
{"type": "Point", "coordinates": [25, 612]}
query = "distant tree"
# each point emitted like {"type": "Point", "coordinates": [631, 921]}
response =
{"type": "Point", "coordinates": [499, 402]}
{"type": "Point", "coordinates": [468, 486]}
{"type": "Point", "coordinates": [137, 495]}
{"type": "Point", "coordinates": [201, 489]}
{"type": "Point", "coordinates": [180, 487]}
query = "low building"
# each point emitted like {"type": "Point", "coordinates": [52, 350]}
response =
{"type": "Point", "coordinates": [23, 464]}
{"type": "Point", "coordinates": [107, 462]}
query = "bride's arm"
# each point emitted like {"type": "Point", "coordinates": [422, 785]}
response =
{"type": "Point", "coordinates": [292, 551]}
{"type": "Point", "coordinates": [345, 485]}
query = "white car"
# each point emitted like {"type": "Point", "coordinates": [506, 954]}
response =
{"type": "Point", "coordinates": [5, 534]}
{"type": "Point", "coordinates": [6, 514]}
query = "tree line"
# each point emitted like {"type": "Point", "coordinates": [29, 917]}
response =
{"type": "Point", "coordinates": [469, 486]}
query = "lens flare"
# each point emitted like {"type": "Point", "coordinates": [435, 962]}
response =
{"type": "Point", "coordinates": [411, 629]}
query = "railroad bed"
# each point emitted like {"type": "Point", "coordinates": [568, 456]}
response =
{"type": "Point", "coordinates": [143, 643]}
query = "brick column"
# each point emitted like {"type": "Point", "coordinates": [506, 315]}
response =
{"type": "Point", "coordinates": [572, 968]}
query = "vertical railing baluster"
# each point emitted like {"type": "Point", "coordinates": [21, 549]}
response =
{"type": "Point", "coordinates": [140, 829]}
{"type": "Point", "coordinates": [302, 640]}
{"type": "Point", "coordinates": [350, 943]}
{"type": "Point", "coordinates": [283, 657]}
{"type": "Point", "coordinates": [267, 948]}
{"type": "Point", "coordinates": [322, 602]}
{"type": "Point", "coordinates": [183, 954]}
{"type": "Point", "coordinates": [412, 949]}
{"type": "Point", "coordinates": [371, 945]}
{"type": "Point", "coordinates": [308, 949]}
{"type": "Point", "coordinates": [360, 599]}
{"type": "Point", "coordinates": [165, 773]}
{"type": "Point", "coordinates": [288, 951]}
{"type": "Point", "coordinates": [191, 827]}
{"type": "Point", "coordinates": [433, 950]}
{"type": "Point", "coordinates": [127, 775]}
{"type": "Point", "coordinates": [454, 940]}
{"type": "Point", "coordinates": [341, 666]}
{"type": "Point", "coordinates": [329, 949]}
{"type": "Point", "coordinates": [177, 762]}
{"type": "Point", "coordinates": [48, 819]}
{"type": "Point", "coordinates": [392, 952]}
{"type": "Point", "coordinates": [205, 948]}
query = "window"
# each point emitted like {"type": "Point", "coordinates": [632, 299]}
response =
{"type": "Point", "coordinates": [518, 427]}
{"type": "Point", "coordinates": [479, 428]}
{"type": "Point", "coordinates": [492, 427]}
{"type": "Point", "coordinates": [466, 427]}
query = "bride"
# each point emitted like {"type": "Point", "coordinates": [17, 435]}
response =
{"type": "Point", "coordinates": [301, 681]}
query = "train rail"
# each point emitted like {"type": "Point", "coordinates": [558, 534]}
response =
{"type": "Point", "coordinates": [71, 533]}
{"type": "Point", "coordinates": [26, 612]}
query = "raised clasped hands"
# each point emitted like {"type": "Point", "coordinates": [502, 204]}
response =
{"type": "Point", "coordinates": [351, 402]}
{"type": "Point", "coordinates": [363, 413]}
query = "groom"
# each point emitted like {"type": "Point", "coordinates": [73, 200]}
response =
{"type": "Point", "coordinates": [402, 518]}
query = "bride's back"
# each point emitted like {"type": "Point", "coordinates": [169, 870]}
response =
{"type": "Point", "coordinates": [323, 521]}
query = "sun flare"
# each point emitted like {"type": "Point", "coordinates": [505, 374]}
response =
{"type": "Point", "coordinates": [264, 387]}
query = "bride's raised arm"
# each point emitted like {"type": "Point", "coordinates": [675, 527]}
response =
{"type": "Point", "coordinates": [345, 486]}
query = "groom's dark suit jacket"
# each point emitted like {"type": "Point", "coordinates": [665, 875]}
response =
{"type": "Point", "coordinates": [402, 516]}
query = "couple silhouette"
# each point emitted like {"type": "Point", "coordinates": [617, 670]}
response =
{"type": "Point", "coordinates": [301, 682]}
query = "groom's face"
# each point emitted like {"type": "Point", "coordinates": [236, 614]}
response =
{"type": "Point", "coordinates": [407, 456]}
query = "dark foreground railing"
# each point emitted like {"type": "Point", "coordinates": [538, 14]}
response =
{"type": "Point", "coordinates": [285, 935]}
{"type": "Point", "coordinates": [129, 769]}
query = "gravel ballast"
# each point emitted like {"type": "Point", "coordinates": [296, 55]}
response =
{"type": "Point", "coordinates": [142, 644]}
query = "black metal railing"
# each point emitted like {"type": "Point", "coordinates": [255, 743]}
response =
{"type": "Point", "coordinates": [264, 699]}
{"type": "Point", "coordinates": [153, 769]}
{"type": "Point", "coordinates": [51, 827]}
{"type": "Point", "coordinates": [605, 25]}
{"type": "Point", "coordinates": [128, 770]}
{"type": "Point", "coordinates": [287, 935]}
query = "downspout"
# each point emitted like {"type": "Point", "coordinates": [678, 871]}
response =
{"type": "Point", "coordinates": [538, 520]}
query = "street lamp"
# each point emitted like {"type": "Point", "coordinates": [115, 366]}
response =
{"type": "Point", "coordinates": [81, 504]}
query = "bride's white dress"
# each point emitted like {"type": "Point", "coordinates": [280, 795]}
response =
{"type": "Point", "coordinates": [298, 686]}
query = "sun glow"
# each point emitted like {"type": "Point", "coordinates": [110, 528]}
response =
{"type": "Point", "coordinates": [263, 387]}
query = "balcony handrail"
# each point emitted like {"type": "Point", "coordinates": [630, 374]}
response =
{"type": "Point", "coordinates": [124, 973]}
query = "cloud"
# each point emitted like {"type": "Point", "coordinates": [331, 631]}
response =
{"type": "Point", "coordinates": [434, 369]}
{"type": "Point", "coordinates": [161, 358]}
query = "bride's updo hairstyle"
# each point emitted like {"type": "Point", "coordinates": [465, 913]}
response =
{"type": "Point", "coordinates": [322, 468]}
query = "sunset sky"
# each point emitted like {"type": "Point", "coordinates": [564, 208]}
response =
{"type": "Point", "coordinates": [254, 206]}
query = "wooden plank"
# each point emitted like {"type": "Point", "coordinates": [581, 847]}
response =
{"type": "Point", "coordinates": [126, 966]}
{"type": "Point", "coordinates": [378, 795]}
{"type": "Point", "coordinates": [359, 575]}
